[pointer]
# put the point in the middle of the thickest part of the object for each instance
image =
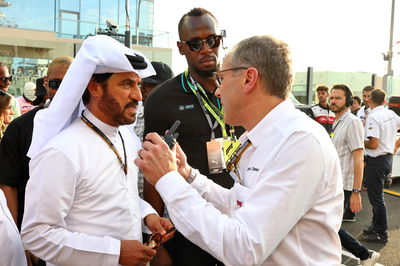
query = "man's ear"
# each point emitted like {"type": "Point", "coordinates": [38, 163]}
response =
{"type": "Point", "coordinates": [95, 88]}
{"type": "Point", "coordinates": [251, 79]}
{"type": "Point", "coordinates": [180, 47]}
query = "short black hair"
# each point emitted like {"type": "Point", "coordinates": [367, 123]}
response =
{"type": "Point", "coordinates": [195, 12]}
{"type": "Point", "coordinates": [99, 78]}
{"type": "Point", "coordinates": [368, 88]}
{"type": "Point", "coordinates": [343, 87]}
{"type": "Point", "coordinates": [322, 88]}
{"type": "Point", "coordinates": [358, 99]}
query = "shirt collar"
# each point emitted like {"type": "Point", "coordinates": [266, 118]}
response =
{"type": "Point", "coordinates": [110, 131]}
{"type": "Point", "coordinates": [380, 107]}
{"type": "Point", "coordinates": [258, 134]}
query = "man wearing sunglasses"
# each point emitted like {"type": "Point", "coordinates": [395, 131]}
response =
{"type": "Point", "coordinates": [5, 81]}
{"type": "Point", "coordinates": [14, 170]}
{"type": "Point", "coordinates": [189, 98]}
{"type": "Point", "coordinates": [286, 205]}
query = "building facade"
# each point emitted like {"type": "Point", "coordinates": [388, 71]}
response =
{"type": "Point", "coordinates": [33, 32]}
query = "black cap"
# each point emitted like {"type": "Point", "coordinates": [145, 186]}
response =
{"type": "Point", "coordinates": [40, 89]}
{"type": "Point", "coordinates": [163, 73]}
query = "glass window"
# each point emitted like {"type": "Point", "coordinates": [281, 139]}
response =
{"type": "Point", "coordinates": [90, 11]}
{"type": "Point", "coordinates": [29, 14]}
{"type": "Point", "coordinates": [109, 10]}
{"type": "Point", "coordinates": [72, 5]}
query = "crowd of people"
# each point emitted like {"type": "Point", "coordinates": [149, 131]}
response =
{"type": "Point", "coordinates": [86, 176]}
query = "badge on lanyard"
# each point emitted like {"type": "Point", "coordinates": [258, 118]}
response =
{"type": "Point", "coordinates": [218, 152]}
{"type": "Point", "coordinates": [215, 156]}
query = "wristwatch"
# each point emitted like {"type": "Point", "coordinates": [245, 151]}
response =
{"type": "Point", "coordinates": [192, 176]}
{"type": "Point", "coordinates": [356, 190]}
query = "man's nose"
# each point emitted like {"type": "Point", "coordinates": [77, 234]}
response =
{"type": "Point", "coordinates": [136, 93]}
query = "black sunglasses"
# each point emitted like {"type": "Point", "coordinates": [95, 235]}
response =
{"type": "Point", "coordinates": [5, 79]}
{"type": "Point", "coordinates": [196, 44]}
{"type": "Point", "coordinates": [54, 83]}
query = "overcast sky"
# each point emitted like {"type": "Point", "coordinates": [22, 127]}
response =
{"type": "Point", "coordinates": [335, 35]}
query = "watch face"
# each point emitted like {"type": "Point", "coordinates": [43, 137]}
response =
{"type": "Point", "coordinates": [356, 190]}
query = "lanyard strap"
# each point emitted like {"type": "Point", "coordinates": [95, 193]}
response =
{"type": "Point", "coordinates": [207, 106]}
{"type": "Point", "coordinates": [109, 143]}
{"type": "Point", "coordinates": [232, 163]}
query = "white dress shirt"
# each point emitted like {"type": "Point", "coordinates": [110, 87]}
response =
{"type": "Point", "coordinates": [11, 250]}
{"type": "Point", "coordinates": [288, 209]}
{"type": "Point", "coordinates": [382, 124]}
{"type": "Point", "coordinates": [79, 202]}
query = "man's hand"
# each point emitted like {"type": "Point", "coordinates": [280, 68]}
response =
{"type": "Point", "coordinates": [30, 258]}
{"type": "Point", "coordinates": [156, 159]}
{"type": "Point", "coordinates": [162, 229]}
{"type": "Point", "coordinates": [135, 253]}
{"type": "Point", "coordinates": [355, 202]}
{"type": "Point", "coordinates": [183, 168]}
{"type": "Point", "coordinates": [157, 224]}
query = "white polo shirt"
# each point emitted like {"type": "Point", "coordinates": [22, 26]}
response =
{"type": "Point", "coordinates": [382, 124]}
{"type": "Point", "coordinates": [363, 114]}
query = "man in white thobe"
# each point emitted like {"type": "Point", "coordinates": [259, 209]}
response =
{"type": "Point", "coordinates": [82, 202]}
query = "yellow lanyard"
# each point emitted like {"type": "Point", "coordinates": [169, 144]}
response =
{"type": "Point", "coordinates": [207, 105]}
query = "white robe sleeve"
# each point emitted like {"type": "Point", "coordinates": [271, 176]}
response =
{"type": "Point", "coordinates": [49, 196]}
{"type": "Point", "coordinates": [11, 249]}
{"type": "Point", "coordinates": [272, 207]}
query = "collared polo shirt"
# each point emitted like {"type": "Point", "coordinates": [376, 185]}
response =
{"type": "Point", "coordinates": [382, 124]}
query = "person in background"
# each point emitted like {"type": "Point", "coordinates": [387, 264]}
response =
{"type": "Point", "coordinates": [284, 209]}
{"type": "Point", "coordinates": [40, 93]}
{"type": "Point", "coordinates": [381, 127]}
{"type": "Point", "coordinates": [163, 73]}
{"type": "Point", "coordinates": [356, 105]}
{"type": "Point", "coordinates": [365, 108]}
{"type": "Point", "coordinates": [26, 100]}
{"type": "Point", "coordinates": [6, 112]}
{"type": "Point", "coordinates": [189, 97]}
{"type": "Point", "coordinates": [5, 81]}
{"type": "Point", "coordinates": [348, 137]}
{"type": "Point", "coordinates": [321, 112]}
{"type": "Point", "coordinates": [14, 163]}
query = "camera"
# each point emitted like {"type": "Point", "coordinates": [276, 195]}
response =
{"type": "Point", "coordinates": [111, 25]}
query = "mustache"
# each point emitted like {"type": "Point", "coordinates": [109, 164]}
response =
{"type": "Point", "coordinates": [209, 56]}
{"type": "Point", "coordinates": [133, 103]}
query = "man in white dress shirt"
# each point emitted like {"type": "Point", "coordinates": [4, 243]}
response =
{"type": "Point", "coordinates": [362, 113]}
{"type": "Point", "coordinates": [82, 202]}
{"type": "Point", "coordinates": [286, 206]}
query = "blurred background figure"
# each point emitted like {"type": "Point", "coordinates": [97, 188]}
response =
{"type": "Point", "coordinates": [26, 100]}
{"type": "Point", "coordinates": [6, 112]}
{"type": "Point", "coordinates": [40, 93]}
{"type": "Point", "coordinates": [5, 81]}
{"type": "Point", "coordinates": [356, 105]}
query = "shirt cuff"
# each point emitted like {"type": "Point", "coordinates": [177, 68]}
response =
{"type": "Point", "coordinates": [170, 184]}
{"type": "Point", "coordinates": [115, 250]}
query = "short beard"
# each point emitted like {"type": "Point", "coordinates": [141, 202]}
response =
{"type": "Point", "coordinates": [205, 73]}
{"type": "Point", "coordinates": [110, 107]}
{"type": "Point", "coordinates": [339, 109]}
